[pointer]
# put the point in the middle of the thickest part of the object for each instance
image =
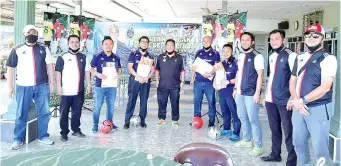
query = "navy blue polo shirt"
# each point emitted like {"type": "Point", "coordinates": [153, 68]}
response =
{"type": "Point", "coordinates": [170, 69]}
{"type": "Point", "coordinates": [281, 63]}
{"type": "Point", "coordinates": [31, 63]}
{"type": "Point", "coordinates": [320, 65]}
{"type": "Point", "coordinates": [211, 56]}
{"type": "Point", "coordinates": [231, 71]}
{"type": "Point", "coordinates": [248, 64]}
{"type": "Point", "coordinates": [135, 58]}
{"type": "Point", "coordinates": [99, 61]}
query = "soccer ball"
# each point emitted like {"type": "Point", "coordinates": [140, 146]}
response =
{"type": "Point", "coordinates": [213, 133]}
{"type": "Point", "coordinates": [135, 121]}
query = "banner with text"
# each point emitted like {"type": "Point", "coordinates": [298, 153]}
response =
{"type": "Point", "coordinates": [126, 36]}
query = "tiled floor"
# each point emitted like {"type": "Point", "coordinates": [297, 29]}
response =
{"type": "Point", "coordinates": [160, 141]}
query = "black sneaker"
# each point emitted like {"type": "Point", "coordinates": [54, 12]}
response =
{"type": "Point", "coordinates": [63, 138]}
{"type": "Point", "coordinates": [143, 125]}
{"type": "Point", "coordinates": [126, 126]}
{"type": "Point", "coordinates": [79, 134]}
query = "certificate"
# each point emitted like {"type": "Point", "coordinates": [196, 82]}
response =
{"type": "Point", "coordinates": [144, 67]}
{"type": "Point", "coordinates": [202, 67]}
{"type": "Point", "coordinates": [111, 74]}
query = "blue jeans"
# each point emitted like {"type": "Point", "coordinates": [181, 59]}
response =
{"type": "Point", "coordinates": [41, 96]}
{"type": "Point", "coordinates": [315, 126]}
{"type": "Point", "coordinates": [228, 107]}
{"type": "Point", "coordinates": [248, 114]}
{"type": "Point", "coordinates": [134, 90]}
{"type": "Point", "coordinates": [201, 88]}
{"type": "Point", "coordinates": [110, 96]}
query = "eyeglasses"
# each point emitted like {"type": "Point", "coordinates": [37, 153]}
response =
{"type": "Point", "coordinates": [312, 35]}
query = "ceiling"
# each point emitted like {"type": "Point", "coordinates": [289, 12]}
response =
{"type": "Point", "coordinates": [136, 10]}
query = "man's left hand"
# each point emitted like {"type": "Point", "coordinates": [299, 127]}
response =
{"type": "Point", "coordinates": [88, 90]}
{"type": "Point", "coordinates": [51, 87]}
{"type": "Point", "coordinates": [299, 105]}
{"type": "Point", "coordinates": [256, 98]}
{"type": "Point", "coordinates": [207, 75]}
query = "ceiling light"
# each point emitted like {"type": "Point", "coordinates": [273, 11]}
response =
{"type": "Point", "coordinates": [304, 5]}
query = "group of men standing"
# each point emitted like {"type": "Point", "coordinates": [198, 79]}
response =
{"type": "Point", "coordinates": [303, 111]}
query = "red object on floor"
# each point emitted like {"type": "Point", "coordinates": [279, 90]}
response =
{"type": "Point", "coordinates": [106, 126]}
{"type": "Point", "coordinates": [197, 122]}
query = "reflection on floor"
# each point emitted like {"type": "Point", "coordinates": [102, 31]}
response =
{"type": "Point", "coordinates": [161, 141]}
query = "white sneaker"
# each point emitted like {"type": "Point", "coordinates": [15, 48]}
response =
{"type": "Point", "coordinates": [46, 141]}
{"type": "Point", "coordinates": [175, 123]}
{"type": "Point", "coordinates": [16, 145]}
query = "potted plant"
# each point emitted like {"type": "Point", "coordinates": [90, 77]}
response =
{"type": "Point", "coordinates": [3, 67]}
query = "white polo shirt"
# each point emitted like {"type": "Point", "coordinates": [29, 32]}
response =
{"type": "Point", "coordinates": [31, 64]}
{"type": "Point", "coordinates": [72, 68]}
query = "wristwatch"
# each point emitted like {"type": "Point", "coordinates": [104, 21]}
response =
{"type": "Point", "coordinates": [234, 88]}
{"type": "Point", "coordinates": [304, 101]}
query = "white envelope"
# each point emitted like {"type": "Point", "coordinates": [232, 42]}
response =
{"type": "Point", "coordinates": [203, 67]}
{"type": "Point", "coordinates": [111, 74]}
{"type": "Point", "coordinates": [220, 75]}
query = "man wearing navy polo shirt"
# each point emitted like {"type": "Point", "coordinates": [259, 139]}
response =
{"type": "Point", "coordinates": [71, 70]}
{"type": "Point", "coordinates": [170, 67]}
{"type": "Point", "coordinates": [247, 91]}
{"type": "Point", "coordinates": [33, 81]}
{"type": "Point", "coordinates": [311, 92]}
{"type": "Point", "coordinates": [277, 94]}
{"type": "Point", "coordinates": [105, 59]}
{"type": "Point", "coordinates": [202, 83]}
{"type": "Point", "coordinates": [138, 85]}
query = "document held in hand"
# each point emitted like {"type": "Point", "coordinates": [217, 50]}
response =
{"type": "Point", "coordinates": [202, 67]}
{"type": "Point", "coordinates": [110, 72]}
{"type": "Point", "coordinates": [144, 67]}
{"type": "Point", "coordinates": [220, 75]}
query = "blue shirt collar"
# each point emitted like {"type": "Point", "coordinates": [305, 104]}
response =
{"type": "Point", "coordinates": [111, 56]}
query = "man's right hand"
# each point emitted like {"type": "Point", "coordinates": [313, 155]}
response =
{"type": "Point", "coordinates": [59, 91]}
{"type": "Point", "coordinates": [192, 82]}
{"type": "Point", "coordinates": [234, 94]}
{"type": "Point", "coordinates": [11, 92]}
{"type": "Point", "coordinates": [101, 76]}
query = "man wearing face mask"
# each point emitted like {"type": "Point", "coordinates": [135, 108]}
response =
{"type": "Point", "coordinates": [277, 94]}
{"type": "Point", "coordinates": [202, 83]}
{"type": "Point", "coordinates": [247, 92]}
{"type": "Point", "coordinates": [72, 68]}
{"type": "Point", "coordinates": [31, 60]}
{"type": "Point", "coordinates": [311, 85]}
{"type": "Point", "coordinates": [170, 68]}
{"type": "Point", "coordinates": [138, 85]}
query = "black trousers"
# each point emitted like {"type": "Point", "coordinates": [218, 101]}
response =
{"type": "Point", "coordinates": [277, 115]}
{"type": "Point", "coordinates": [75, 103]}
{"type": "Point", "coordinates": [162, 96]}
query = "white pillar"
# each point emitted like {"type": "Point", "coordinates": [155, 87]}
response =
{"type": "Point", "coordinates": [78, 7]}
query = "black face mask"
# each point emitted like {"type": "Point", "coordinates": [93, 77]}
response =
{"type": "Point", "coordinates": [207, 48]}
{"type": "Point", "coordinates": [246, 49]}
{"type": "Point", "coordinates": [143, 50]}
{"type": "Point", "coordinates": [278, 49]}
{"type": "Point", "coordinates": [170, 53]}
{"type": "Point", "coordinates": [31, 38]}
{"type": "Point", "coordinates": [73, 51]}
{"type": "Point", "coordinates": [314, 48]}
